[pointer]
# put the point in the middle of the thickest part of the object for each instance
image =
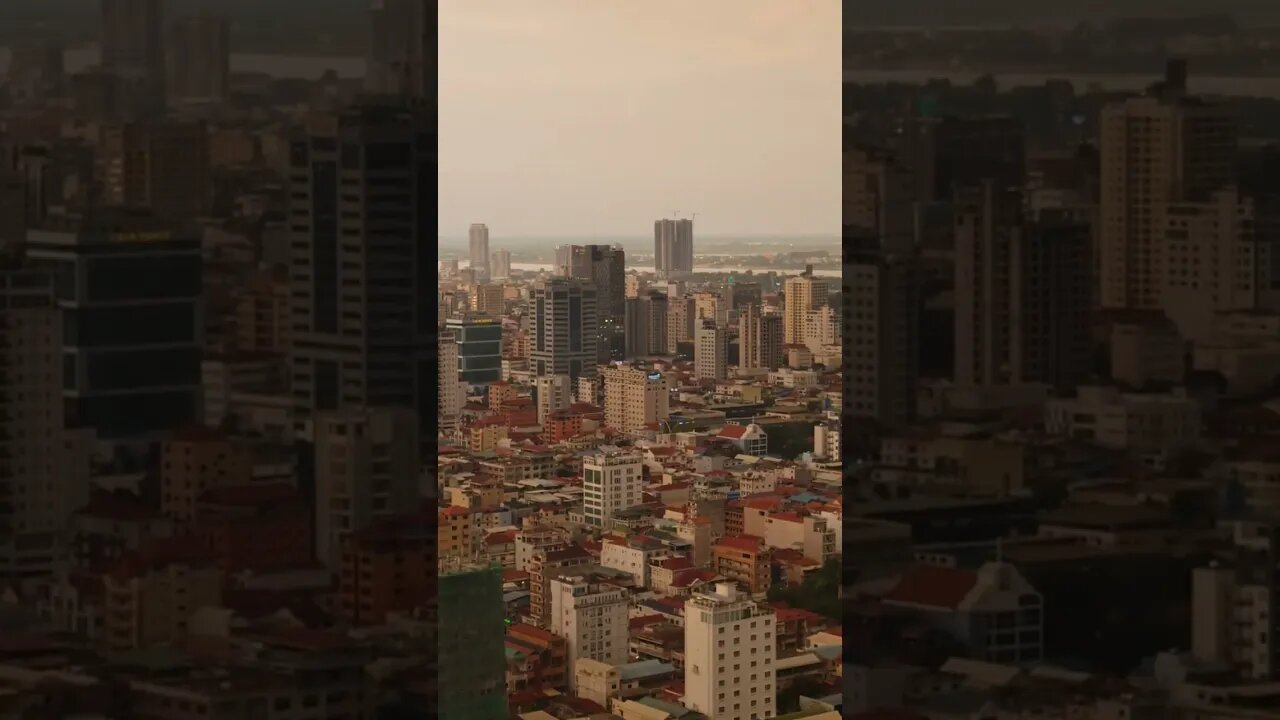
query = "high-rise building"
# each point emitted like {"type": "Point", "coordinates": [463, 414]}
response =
{"type": "Point", "coordinates": [129, 286]}
{"type": "Point", "coordinates": [1156, 150]}
{"type": "Point", "coordinates": [802, 293]}
{"type": "Point", "coordinates": [988, 223]}
{"type": "Point", "coordinates": [710, 354]}
{"type": "Point", "coordinates": [646, 325]}
{"type": "Point", "coordinates": [402, 49]}
{"type": "Point", "coordinates": [682, 314]}
{"type": "Point", "coordinates": [759, 339]}
{"type": "Point", "coordinates": [591, 615]}
{"type": "Point", "coordinates": [822, 328]}
{"type": "Point", "coordinates": [564, 328]}
{"type": "Point", "coordinates": [673, 246]}
{"type": "Point", "coordinates": [730, 652]}
{"type": "Point", "coordinates": [262, 313]}
{"type": "Point", "coordinates": [479, 341]}
{"type": "Point", "coordinates": [1052, 289]}
{"type": "Point", "coordinates": [478, 242]}
{"type": "Point", "coordinates": [605, 267]}
{"type": "Point", "coordinates": [44, 468]}
{"type": "Point", "coordinates": [162, 166]}
{"type": "Point", "coordinates": [488, 299]}
{"type": "Point", "coordinates": [366, 468]}
{"type": "Point", "coordinates": [634, 397]}
{"type": "Point", "coordinates": [879, 197]}
{"type": "Point", "coordinates": [199, 58]}
{"type": "Point", "coordinates": [472, 657]}
{"type": "Point", "coordinates": [364, 324]}
{"type": "Point", "coordinates": [551, 393]}
{"type": "Point", "coordinates": [612, 481]}
{"type": "Point", "coordinates": [450, 391]}
{"type": "Point", "coordinates": [133, 48]}
{"type": "Point", "coordinates": [501, 267]}
{"type": "Point", "coordinates": [881, 333]}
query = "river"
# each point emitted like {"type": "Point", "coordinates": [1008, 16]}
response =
{"type": "Point", "coordinates": [280, 66]}
{"type": "Point", "coordinates": [833, 272]}
{"type": "Point", "coordinates": [1201, 84]}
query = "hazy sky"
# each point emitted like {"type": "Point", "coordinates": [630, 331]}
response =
{"type": "Point", "coordinates": [581, 117]}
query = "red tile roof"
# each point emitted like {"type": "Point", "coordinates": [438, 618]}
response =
{"type": "Point", "coordinates": [934, 587]}
{"type": "Point", "coordinates": [746, 543]}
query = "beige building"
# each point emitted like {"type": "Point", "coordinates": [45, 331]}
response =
{"type": "Point", "coordinates": [366, 466]}
{"type": "Point", "coordinates": [880, 336]}
{"type": "Point", "coordinates": [634, 397]}
{"type": "Point", "coordinates": [729, 655]}
{"type": "Point", "coordinates": [759, 339]}
{"type": "Point", "coordinates": [262, 314]}
{"type": "Point", "coordinates": [487, 299]}
{"type": "Point", "coordinates": [553, 392]}
{"type": "Point", "coordinates": [682, 312]}
{"type": "Point", "coordinates": [193, 461]}
{"type": "Point", "coordinates": [1157, 150]}
{"type": "Point", "coordinates": [451, 390]}
{"type": "Point", "coordinates": [161, 166]}
{"type": "Point", "coordinates": [803, 293]}
{"type": "Point", "coordinates": [591, 615]}
{"type": "Point", "coordinates": [710, 351]}
{"type": "Point", "coordinates": [1231, 622]}
{"type": "Point", "coordinates": [150, 597]}
{"type": "Point", "coordinates": [1146, 350]}
{"type": "Point", "coordinates": [879, 197]}
{"type": "Point", "coordinates": [1143, 423]}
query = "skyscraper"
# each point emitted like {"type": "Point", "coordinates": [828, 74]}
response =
{"type": "Point", "coordinates": [673, 246]}
{"type": "Point", "coordinates": [880, 340]}
{"type": "Point", "coordinates": [605, 267]}
{"type": "Point", "coordinates": [729, 650]}
{"type": "Point", "coordinates": [129, 287]}
{"type": "Point", "coordinates": [364, 324]}
{"type": "Point", "coordinates": [803, 293]}
{"type": "Point", "coordinates": [1156, 150]}
{"type": "Point", "coordinates": [501, 267]}
{"type": "Point", "coordinates": [759, 339]}
{"type": "Point", "coordinates": [710, 351]}
{"type": "Point", "coordinates": [646, 325]}
{"type": "Point", "coordinates": [988, 223]}
{"type": "Point", "coordinates": [133, 49]}
{"type": "Point", "coordinates": [400, 59]}
{"type": "Point", "coordinates": [198, 58]}
{"type": "Point", "coordinates": [564, 328]}
{"type": "Point", "coordinates": [478, 238]}
{"type": "Point", "coordinates": [44, 468]}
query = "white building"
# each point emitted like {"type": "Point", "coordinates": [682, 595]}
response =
{"type": "Point", "coordinates": [1108, 417]}
{"type": "Point", "coordinates": [729, 655]}
{"type": "Point", "coordinates": [591, 616]}
{"type": "Point", "coordinates": [611, 483]}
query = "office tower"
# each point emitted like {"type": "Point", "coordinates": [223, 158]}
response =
{"type": "Point", "coordinates": [646, 325]}
{"type": "Point", "coordinates": [1052, 287]}
{"type": "Point", "coordinates": [132, 337]}
{"type": "Point", "coordinates": [363, 322]}
{"type": "Point", "coordinates": [879, 196]}
{"type": "Point", "coordinates": [478, 238]}
{"type": "Point", "coordinates": [591, 615]}
{"type": "Point", "coordinates": [802, 293]}
{"type": "Point", "coordinates": [564, 328]}
{"type": "Point", "coordinates": [133, 49]}
{"type": "Point", "coordinates": [472, 657]}
{"type": "Point", "coordinates": [551, 393]}
{"type": "Point", "coordinates": [479, 341]}
{"type": "Point", "coordinates": [451, 388]}
{"type": "Point", "coordinates": [198, 58]}
{"type": "Point", "coordinates": [401, 56]}
{"type": "Point", "coordinates": [988, 223]}
{"type": "Point", "coordinates": [162, 166]}
{"type": "Point", "coordinates": [739, 294]}
{"type": "Point", "coordinates": [759, 339]}
{"type": "Point", "coordinates": [44, 469]}
{"type": "Point", "coordinates": [606, 268]}
{"type": "Point", "coordinates": [730, 653]}
{"type": "Point", "coordinates": [1156, 150]}
{"type": "Point", "coordinates": [881, 332]}
{"type": "Point", "coordinates": [611, 482]}
{"type": "Point", "coordinates": [710, 351]}
{"type": "Point", "coordinates": [366, 470]}
{"type": "Point", "coordinates": [501, 267]}
{"type": "Point", "coordinates": [634, 397]}
{"type": "Point", "coordinates": [682, 314]}
{"type": "Point", "coordinates": [673, 246]}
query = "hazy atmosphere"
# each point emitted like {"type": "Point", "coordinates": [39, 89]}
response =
{"type": "Point", "coordinates": [574, 117]}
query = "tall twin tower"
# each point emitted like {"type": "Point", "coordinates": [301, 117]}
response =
{"type": "Point", "coordinates": [673, 246]}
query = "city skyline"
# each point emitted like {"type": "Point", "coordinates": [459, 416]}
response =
{"type": "Point", "coordinates": [648, 137]}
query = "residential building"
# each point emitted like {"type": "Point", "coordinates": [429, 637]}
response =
{"type": "Point", "coordinates": [730, 655]}
{"type": "Point", "coordinates": [634, 398]}
{"type": "Point", "coordinates": [611, 482]}
{"type": "Point", "coordinates": [591, 615]}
